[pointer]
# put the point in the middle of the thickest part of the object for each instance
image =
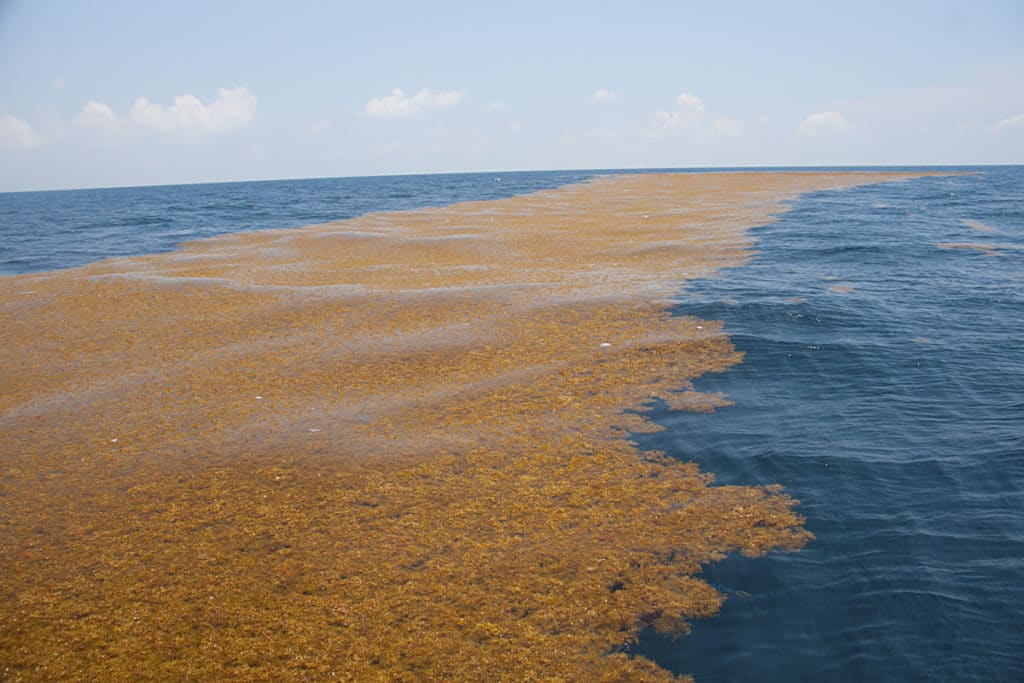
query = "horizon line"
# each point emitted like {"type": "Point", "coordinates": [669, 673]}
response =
{"type": "Point", "coordinates": [604, 170]}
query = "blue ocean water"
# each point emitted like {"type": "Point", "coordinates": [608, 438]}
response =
{"type": "Point", "coordinates": [883, 386]}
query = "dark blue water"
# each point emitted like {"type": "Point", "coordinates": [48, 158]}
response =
{"type": "Point", "coordinates": [894, 411]}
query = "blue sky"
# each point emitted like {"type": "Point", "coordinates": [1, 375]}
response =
{"type": "Point", "coordinates": [132, 93]}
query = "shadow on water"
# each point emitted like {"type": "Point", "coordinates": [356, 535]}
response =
{"type": "Point", "coordinates": [882, 387]}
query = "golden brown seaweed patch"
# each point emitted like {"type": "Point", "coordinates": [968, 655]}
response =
{"type": "Point", "coordinates": [393, 448]}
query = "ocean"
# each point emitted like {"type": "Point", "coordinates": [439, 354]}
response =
{"type": "Point", "coordinates": [882, 386]}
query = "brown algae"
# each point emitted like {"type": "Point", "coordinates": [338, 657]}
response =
{"type": "Point", "coordinates": [979, 226]}
{"type": "Point", "coordinates": [392, 448]}
{"type": "Point", "coordinates": [984, 248]}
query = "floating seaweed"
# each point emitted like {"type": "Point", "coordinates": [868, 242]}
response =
{"type": "Point", "coordinates": [395, 447]}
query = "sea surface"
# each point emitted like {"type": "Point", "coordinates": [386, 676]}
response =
{"type": "Point", "coordinates": [883, 386]}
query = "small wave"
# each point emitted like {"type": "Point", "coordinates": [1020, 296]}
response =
{"type": "Point", "coordinates": [851, 250]}
{"type": "Point", "coordinates": [142, 222]}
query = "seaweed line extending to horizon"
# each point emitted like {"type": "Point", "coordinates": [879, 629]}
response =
{"type": "Point", "coordinates": [396, 446]}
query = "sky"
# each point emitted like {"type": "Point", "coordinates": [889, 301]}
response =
{"type": "Point", "coordinates": [101, 93]}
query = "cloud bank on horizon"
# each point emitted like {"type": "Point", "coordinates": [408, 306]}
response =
{"type": "Point", "coordinates": [458, 89]}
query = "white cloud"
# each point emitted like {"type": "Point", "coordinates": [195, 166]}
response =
{"type": "Point", "coordinates": [392, 106]}
{"type": "Point", "coordinates": [17, 134]}
{"type": "Point", "coordinates": [727, 127]}
{"type": "Point", "coordinates": [690, 110]}
{"type": "Point", "coordinates": [1010, 122]}
{"type": "Point", "coordinates": [495, 105]}
{"type": "Point", "coordinates": [398, 105]}
{"type": "Point", "coordinates": [516, 127]}
{"type": "Point", "coordinates": [823, 123]}
{"type": "Point", "coordinates": [234, 108]}
{"type": "Point", "coordinates": [98, 116]}
{"type": "Point", "coordinates": [604, 95]}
